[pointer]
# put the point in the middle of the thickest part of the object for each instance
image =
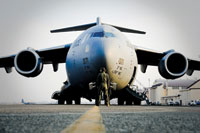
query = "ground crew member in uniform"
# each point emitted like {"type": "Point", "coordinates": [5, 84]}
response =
{"type": "Point", "coordinates": [103, 84]}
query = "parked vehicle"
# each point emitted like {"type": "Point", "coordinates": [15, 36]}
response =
{"type": "Point", "coordinates": [170, 103]}
{"type": "Point", "coordinates": [176, 103]}
{"type": "Point", "coordinates": [197, 102]}
{"type": "Point", "coordinates": [158, 103]}
{"type": "Point", "coordinates": [192, 103]}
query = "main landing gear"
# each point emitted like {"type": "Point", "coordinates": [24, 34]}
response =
{"type": "Point", "coordinates": [77, 101]}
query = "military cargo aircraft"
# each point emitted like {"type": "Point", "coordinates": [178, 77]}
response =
{"type": "Point", "coordinates": [100, 45]}
{"type": "Point", "coordinates": [26, 103]}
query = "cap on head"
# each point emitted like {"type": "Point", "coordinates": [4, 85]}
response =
{"type": "Point", "coordinates": [103, 69]}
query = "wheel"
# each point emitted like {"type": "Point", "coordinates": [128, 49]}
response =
{"type": "Point", "coordinates": [69, 101]}
{"type": "Point", "coordinates": [61, 101]}
{"type": "Point", "coordinates": [129, 102]}
{"type": "Point", "coordinates": [120, 101]}
{"type": "Point", "coordinates": [137, 102]}
{"type": "Point", "coordinates": [78, 101]}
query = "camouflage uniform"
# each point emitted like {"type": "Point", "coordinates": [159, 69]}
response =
{"type": "Point", "coordinates": [103, 83]}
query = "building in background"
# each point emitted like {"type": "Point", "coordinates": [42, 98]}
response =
{"type": "Point", "coordinates": [174, 91]}
{"type": "Point", "coordinates": [192, 93]}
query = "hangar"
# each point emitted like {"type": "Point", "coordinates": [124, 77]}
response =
{"type": "Point", "coordinates": [177, 91]}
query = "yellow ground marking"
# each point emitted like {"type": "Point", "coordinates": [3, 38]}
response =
{"type": "Point", "coordinates": [90, 122]}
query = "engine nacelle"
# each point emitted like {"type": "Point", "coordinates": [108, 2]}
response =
{"type": "Point", "coordinates": [173, 65]}
{"type": "Point", "coordinates": [28, 63]}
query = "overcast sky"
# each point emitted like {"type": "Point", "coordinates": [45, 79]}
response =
{"type": "Point", "coordinates": [26, 23]}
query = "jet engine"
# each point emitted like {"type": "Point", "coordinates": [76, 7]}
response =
{"type": "Point", "coordinates": [28, 63]}
{"type": "Point", "coordinates": [173, 65]}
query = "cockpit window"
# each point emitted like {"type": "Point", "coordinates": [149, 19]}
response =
{"type": "Point", "coordinates": [108, 34]}
{"type": "Point", "coordinates": [98, 34]}
{"type": "Point", "coordinates": [102, 34]}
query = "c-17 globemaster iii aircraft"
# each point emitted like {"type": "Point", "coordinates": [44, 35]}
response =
{"type": "Point", "coordinates": [100, 45]}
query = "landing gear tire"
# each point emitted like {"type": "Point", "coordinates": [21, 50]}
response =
{"type": "Point", "coordinates": [137, 102]}
{"type": "Point", "coordinates": [78, 101]}
{"type": "Point", "coordinates": [120, 101]}
{"type": "Point", "coordinates": [61, 101]}
{"type": "Point", "coordinates": [129, 102]}
{"type": "Point", "coordinates": [69, 102]}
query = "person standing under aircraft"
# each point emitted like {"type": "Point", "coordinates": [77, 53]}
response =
{"type": "Point", "coordinates": [103, 83]}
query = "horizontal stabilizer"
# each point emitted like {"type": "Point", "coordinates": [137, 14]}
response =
{"type": "Point", "coordinates": [74, 28]}
{"type": "Point", "coordinates": [98, 22]}
{"type": "Point", "coordinates": [122, 29]}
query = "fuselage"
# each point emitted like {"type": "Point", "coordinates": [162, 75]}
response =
{"type": "Point", "coordinates": [101, 46]}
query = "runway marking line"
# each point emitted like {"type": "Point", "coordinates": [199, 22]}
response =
{"type": "Point", "coordinates": [90, 122]}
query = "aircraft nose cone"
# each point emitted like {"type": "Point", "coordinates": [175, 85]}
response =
{"type": "Point", "coordinates": [115, 57]}
{"type": "Point", "coordinates": [98, 54]}
{"type": "Point", "coordinates": [104, 54]}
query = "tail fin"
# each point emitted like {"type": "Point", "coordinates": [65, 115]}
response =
{"type": "Point", "coordinates": [86, 26]}
{"type": "Point", "coordinates": [22, 100]}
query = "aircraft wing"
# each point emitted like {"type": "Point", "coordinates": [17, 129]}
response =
{"type": "Point", "coordinates": [7, 61]}
{"type": "Point", "coordinates": [150, 57]}
{"type": "Point", "coordinates": [52, 55]}
{"type": "Point", "coordinates": [55, 54]}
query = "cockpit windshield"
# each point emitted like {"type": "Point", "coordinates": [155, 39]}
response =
{"type": "Point", "coordinates": [108, 34]}
{"type": "Point", "coordinates": [97, 34]}
{"type": "Point", "coordinates": [102, 34]}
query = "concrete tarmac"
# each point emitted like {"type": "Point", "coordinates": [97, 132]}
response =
{"type": "Point", "coordinates": [56, 118]}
